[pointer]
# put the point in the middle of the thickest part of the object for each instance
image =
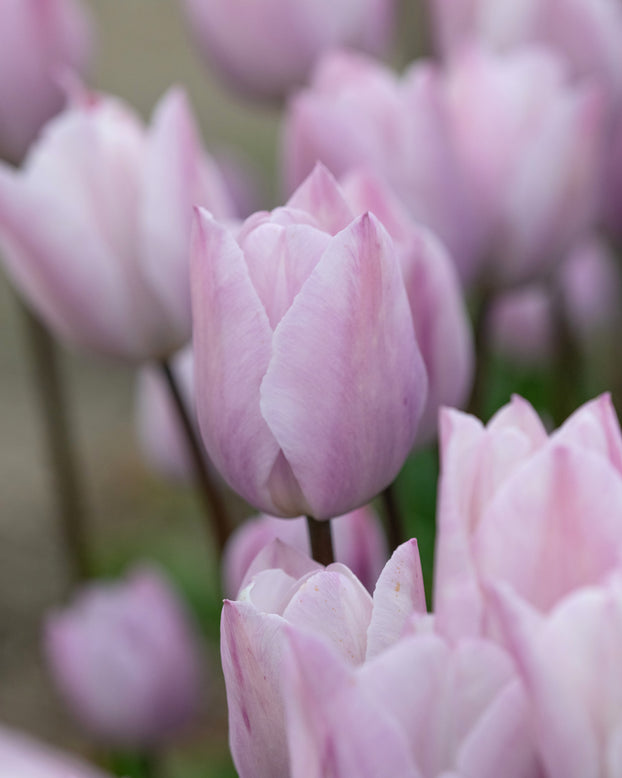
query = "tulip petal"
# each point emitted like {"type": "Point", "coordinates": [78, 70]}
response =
{"type": "Point", "coordinates": [345, 429]}
{"type": "Point", "coordinates": [398, 593]}
{"type": "Point", "coordinates": [278, 554]}
{"type": "Point", "coordinates": [320, 195]}
{"type": "Point", "coordinates": [232, 347]}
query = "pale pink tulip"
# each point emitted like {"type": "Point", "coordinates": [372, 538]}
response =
{"type": "Point", "coordinates": [542, 513]}
{"type": "Point", "coordinates": [266, 49]}
{"type": "Point", "coordinates": [358, 540]}
{"type": "Point", "coordinates": [124, 657]}
{"type": "Point", "coordinates": [24, 757]}
{"type": "Point", "coordinates": [310, 383]}
{"type": "Point", "coordinates": [531, 143]}
{"type": "Point", "coordinates": [303, 597]}
{"type": "Point", "coordinates": [570, 664]}
{"type": "Point", "coordinates": [95, 229]}
{"type": "Point", "coordinates": [357, 112]}
{"type": "Point", "coordinates": [39, 39]}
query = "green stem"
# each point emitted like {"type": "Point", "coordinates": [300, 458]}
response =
{"type": "Point", "coordinates": [213, 505]}
{"type": "Point", "coordinates": [321, 540]}
{"type": "Point", "coordinates": [477, 401]}
{"type": "Point", "coordinates": [393, 519]}
{"type": "Point", "coordinates": [61, 450]}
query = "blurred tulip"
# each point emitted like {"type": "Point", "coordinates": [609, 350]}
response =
{"type": "Point", "coordinates": [95, 229]}
{"type": "Point", "coordinates": [161, 438]}
{"type": "Point", "coordinates": [358, 539]}
{"type": "Point", "coordinates": [587, 34]}
{"type": "Point", "coordinates": [23, 757]}
{"type": "Point", "coordinates": [531, 144]}
{"type": "Point", "coordinates": [303, 597]}
{"type": "Point", "coordinates": [310, 383]}
{"type": "Point", "coordinates": [39, 39]}
{"type": "Point", "coordinates": [266, 49]}
{"type": "Point", "coordinates": [543, 514]}
{"type": "Point", "coordinates": [125, 659]}
{"type": "Point", "coordinates": [522, 325]}
{"type": "Point", "coordinates": [569, 662]}
{"type": "Point", "coordinates": [357, 112]}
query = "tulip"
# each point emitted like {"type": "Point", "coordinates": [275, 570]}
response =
{"type": "Point", "coordinates": [95, 228]}
{"type": "Point", "coordinates": [38, 40]}
{"type": "Point", "coordinates": [358, 539]}
{"type": "Point", "coordinates": [309, 379]}
{"type": "Point", "coordinates": [531, 143]}
{"type": "Point", "coordinates": [265, 49]}
{"type": "Point", "coordinates": [329, 603]}
{"type": "Point", "coordinates": [569, 661]}
{"type": "Point", "coordinates": [587, 34]}
{"type": "Point", "coordinates": [160, 436]}
{"type": "Point", "coordinates": [357, 112]}
{"type": "Point", "coordinates": [541, 513]}
{"type": "Point", "coordinates": [124, 658]}
{"type": "Point", "coordinates": [23, 757]}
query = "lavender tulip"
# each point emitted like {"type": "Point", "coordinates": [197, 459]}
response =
{"type": "Point", "coordinates": [23, 757]}
{"type": "Point", "coordinates": [515, 505]}
{"type": "Point", "coordinates": [309, 379]}
{"type": "Point", "coordinates": [38, 40]}
{"type": "Point", "coordinates": [95, 228]}
{"type": "Point", "coordinates": [265, 49]}
{"type": "Point", "coordinates": [125, 659]}
{"type": "Point", "coordinates": [358, 539]}
{"type": "Point", "coordinates": [302, 596]}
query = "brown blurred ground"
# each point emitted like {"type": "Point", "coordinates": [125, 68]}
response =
{"type": "Point", "coordinates": [143, 50]}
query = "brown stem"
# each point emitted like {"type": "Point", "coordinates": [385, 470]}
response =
{"type": "Point", "coordinates": [393, 520]}
{"type": "Point", "coordinates": [321, 541]}
{"type": "Point", "coordinates": [213, 504]}
{"type": "Point", "coordinates": [48, 382]}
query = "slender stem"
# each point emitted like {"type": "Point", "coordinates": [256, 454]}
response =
{"type": "Point", "coordinates": [213, 504]}
{"type": "Point", "coordinates": [394, 524]}
{"type": "Point", "coordinates": [477, 402]}
{"type": "Point", "coordinates": [150, 765]}
{"type": "Point", "coordinates": [321, 541]}
{"type": "Point", "coordinates": [566, 368]}
{"type": "Point", "coordinates": [48, 382]}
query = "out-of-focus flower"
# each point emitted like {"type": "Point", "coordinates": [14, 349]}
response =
{"type": "Point", "coordinates": [23, 757]}
{"type": "Point", "coordinates": [331, 604]}
{"type": "Point", "coordinates": [161, 438]}
{"type": "Point", "coordinates": [266, 49]}
{"type": "Point", "coordinates": [125, 659]}
{"type": "Point", "coordinates": [357, 112]}
{"type": "Point", "coordinates": [358, 540]}
{"type": "Point", "coordinates": [543, 514]}
{"type": "Point", "coordinates": [587, 34]}
{"type": "Point", "coordinates": [570, 664]}
{"type": "Point", "coordinates": [530, 142]}
{"type": "Point", "coordinates": [95, 229]}
{"type": "Point", "coordinates": [310, 383]}
{"type": "Point", "coordinates": [38, 40]}
{"type": "Point", "coordinates": [522, 324]}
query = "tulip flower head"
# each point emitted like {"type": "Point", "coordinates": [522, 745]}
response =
{"type": "Point", "coordinates": [309, 379]}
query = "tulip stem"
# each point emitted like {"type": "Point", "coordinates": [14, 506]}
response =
{"type": "Point", "coordinates": [477, 401]}
{"type": "Point", "coordinates": [566, 372]}
{"type": "Point", "coordinates": [393, 519]}
{"type": "Point", "coordinates": [149, 764]}
{"type": "Point", "coordinates": [213, 504]}
{"type": "Point", "coordinates": [48, 381]}
{"type": "Point", "coordinates": [321, 541]}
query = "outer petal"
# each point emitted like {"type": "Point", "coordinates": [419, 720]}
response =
{"type": "Point", "coordinates": [398, 593]}
{"type": "Point", "coordinates": [177, 175]}
{"type": "Point", "coordinates": [346, 383]}
{"type": "Point", "coordinates": [335, 726]}
{"type": "Point", "coordinates": [251, 647]}
{"type": "Point", "coordinates": [232, 346]}
{"type": "Point", "coordinates": [320, 195]}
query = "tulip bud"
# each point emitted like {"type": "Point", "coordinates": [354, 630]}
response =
{"type": "Point", "coordinates": [23, 757]}
{"type": "Point", "coordinates": [358, 540]}
{"type": "Point", "coordinates": [38, 40]}
{"type": "Point", "coordinates": [124, 658]}
{"type": "Point", "coordinates": [95, 228]}
{"type": "Point", "coordinates": [310, 383]}
{"type": "Point", "coordinates": [266, 49]}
